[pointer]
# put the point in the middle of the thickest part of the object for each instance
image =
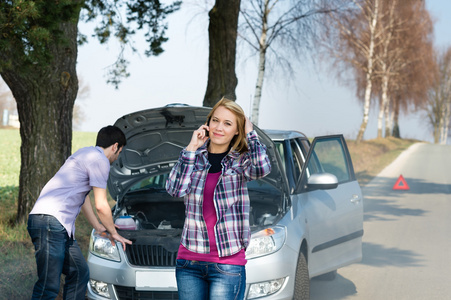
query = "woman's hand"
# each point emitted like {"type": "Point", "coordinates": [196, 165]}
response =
{"type": "Point", "coordinates": [198, 139]}
{"type": "Point", "coordinates": [248, 127]}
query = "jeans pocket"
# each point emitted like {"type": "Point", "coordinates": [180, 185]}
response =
{"type": "Point", "coordinates": [55, 225]}
{"type": "Point", "coordinates": [181, 263]}
{"type": "Point", "coordinates": [234, 270]}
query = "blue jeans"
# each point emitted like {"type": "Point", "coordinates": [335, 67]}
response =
{"type": "Point", "coordinates": [56, 254]}
{"type": "Point", "coordinates": [197, 280]}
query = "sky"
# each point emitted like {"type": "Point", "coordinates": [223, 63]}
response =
{"type": "Point", "coordinates": [314, 102]}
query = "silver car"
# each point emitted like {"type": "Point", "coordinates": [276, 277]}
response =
{"type": "Point", "coordinates": [306, 216]}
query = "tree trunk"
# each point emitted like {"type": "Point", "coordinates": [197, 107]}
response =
{"type": "Point", "coordinates": [366, 111]}
{"type": "Point", "coordinates": [383, 103]}
{"type": "Point", "coordinates": [396, 132]}
{"type": "Point", "coordinates": [385, 106]}
{"type": "Point", "coordinates": [387, 62]}
{"type": "Point", "coordinates": [259, 87]}
{"type": "Point", "coordinates": [369, 73]}
{"type": "Point", "coordinates": [45, 99]}
{"type": "Point", "coordinates": [222, 32]}
{"type": "Point", "coordinates": [380, 118]}
{"type": "Point", "coordinates": [436, 134]}
{"type": "Point", "coordinates": [261, 66]}
{"type": "Point", "coordinates": [388, 119]}
{"type": "Point", "coordinates": [446, 117]}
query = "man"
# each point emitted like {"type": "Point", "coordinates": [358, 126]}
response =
{"type": "Point", "coordinates": [51, 223]}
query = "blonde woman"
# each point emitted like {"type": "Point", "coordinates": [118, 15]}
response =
{"type": "Point", "coordinates": [211, 174]}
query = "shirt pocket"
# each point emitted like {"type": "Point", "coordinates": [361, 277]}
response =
{"type": "Point", "coordinates": [234, 171]}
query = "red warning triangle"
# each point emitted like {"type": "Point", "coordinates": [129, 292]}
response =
{"type": "Point", "coordinates": [401, 184]}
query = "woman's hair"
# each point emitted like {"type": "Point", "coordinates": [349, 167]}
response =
{"type": "Point", "coordinates": [238, 142]}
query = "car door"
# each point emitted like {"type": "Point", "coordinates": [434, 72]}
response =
{"type": "Point", "coordinates": [333, 208]}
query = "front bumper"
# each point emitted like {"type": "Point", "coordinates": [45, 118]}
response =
{"type": "Point", "coordinates": [125, 281]}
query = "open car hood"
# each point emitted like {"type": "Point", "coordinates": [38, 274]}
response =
{"type": "Point", "coordinates": [155, 138]}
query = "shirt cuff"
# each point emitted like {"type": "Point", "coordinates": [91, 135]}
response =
{"type": "Point", "coordinates": [188, 156]}
{"type": "Point", "coordinates": [252, 135]}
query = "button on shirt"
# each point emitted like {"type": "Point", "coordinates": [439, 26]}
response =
{"type": "Point", "coordinates": [63, 196]}
{"type": "Point", "coordinates": [231, 199]}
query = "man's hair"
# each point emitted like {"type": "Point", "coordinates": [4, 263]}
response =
{"type": "Point", "coordinates": [110, 135]}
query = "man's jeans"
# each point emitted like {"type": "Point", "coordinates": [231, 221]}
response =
{"type": "Point", "coordinates": [197, 280]}
{"type": "Point", "coordinates": [56, 254]}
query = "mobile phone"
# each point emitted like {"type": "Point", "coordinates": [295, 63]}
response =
{"type": "Point", "coordinates": [208, 124]}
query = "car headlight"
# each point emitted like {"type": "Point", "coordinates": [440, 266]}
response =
{"type": "Point", "coordinates": [100, 288]}
{"type": "Point", "coordinates": [266, 241]}
{"type": "Point", "coordinates": [265, 288]}
{"type": "Point", "coordinates": [101, 246]}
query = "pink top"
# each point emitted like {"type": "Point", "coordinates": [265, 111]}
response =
{"type": "Point", "coordinates": [209, 213]}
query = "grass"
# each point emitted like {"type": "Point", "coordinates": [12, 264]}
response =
{"type": "Point", "coordinates": [18, 271]}
{"type": "Point", "coordinates": [371, 157]}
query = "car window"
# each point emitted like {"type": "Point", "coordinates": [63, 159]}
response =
{"type": "Point", "coordinates": [292, 160]}
{"type": "Point", "coordinates": [305, 146]}
{"type": "Point", "coordinates": [329, 156]}
{"type": "Point", "coordinates": [298, 160]}
{"type": "Point", "coordinates": [280, 149]}
{"type": "Point", "coordinates": [286, 154]}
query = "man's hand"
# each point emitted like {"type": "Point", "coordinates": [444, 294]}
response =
{"type": "Point", "coordinates": [100, 228]}
{"type": "Point", "coordinates": [118, 238]}
{"type": "Point", "coordinates": [104, 213]}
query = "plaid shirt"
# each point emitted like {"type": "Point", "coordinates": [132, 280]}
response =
{"type": "Point", "coordinates": [231, 199]}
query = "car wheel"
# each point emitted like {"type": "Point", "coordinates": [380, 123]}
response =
{"type": "Point", "coordinates": [302, 281]}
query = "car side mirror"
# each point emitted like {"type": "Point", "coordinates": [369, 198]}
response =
{"type": "Point", "coordinates": [322, 181]}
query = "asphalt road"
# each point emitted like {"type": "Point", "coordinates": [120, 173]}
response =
{"type": "Point", "coordinates": [407, 239]}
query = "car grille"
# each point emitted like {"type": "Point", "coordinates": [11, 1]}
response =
{"type": "Point", "coordinates": [150, 255]}
{"type": "Point", "coordinates": [129, 293]}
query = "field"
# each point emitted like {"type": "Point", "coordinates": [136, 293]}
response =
{"type": "Point", "coordinates": [18, 271]}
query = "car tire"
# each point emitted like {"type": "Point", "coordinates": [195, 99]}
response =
{"type": "Point", "coordinates": [302, 281]}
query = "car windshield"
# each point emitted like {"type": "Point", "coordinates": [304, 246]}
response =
{"type": "Point", "coordinates": [152, 182]}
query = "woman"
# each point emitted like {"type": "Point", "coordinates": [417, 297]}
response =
{"type": "Point", "coordinates": [211, 175]}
